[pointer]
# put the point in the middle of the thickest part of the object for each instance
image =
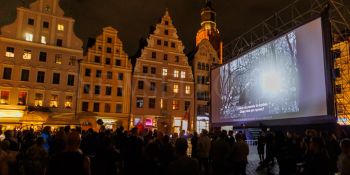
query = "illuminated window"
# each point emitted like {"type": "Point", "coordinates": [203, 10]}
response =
{"type": "Point", "coordinates": [10, 52]}
{"type": "Point", "coordinates": [165, 72]}
{"type": "Point", "coordinates": [176, 105]}
{"type": "Point", "coordinates": [58, 59]}
{"type": "Point", "coordinates": [5, 96]}
{"type": "Point", "coordinates": [54, 101]}
{"type": "Point", "coordinates": [176, 73]}
{"type": "Point", "coordinates": [161, 104]}
{"type": "Point", "coordinates": [22, 98]}
{"type": "Point", "coordinates": [183, 74]}
{"type": "Point", "coordinates": [27, 54]}
{"type": "Point", "coordinates": [39, 99]}
{"type": "Point", "coordinates": [28, 36]}
{"type": "Point", "coordinates": [188, 90]}
{"type": "Point", "coordinates": [68, 102]}
{"type": "Point", "coordinates": [176, 88]}
{"type": "Point", "coordinates": [43, 39]}
{"type": "Point", "coordinates": [60, 27]}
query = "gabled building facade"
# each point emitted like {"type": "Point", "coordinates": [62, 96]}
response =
{"type": "Point", "coordinates": [105, 87]}
{"type": "Point", "coordinates": [162, 84]}
{"type": "Point", "coordinates": [39, 55]}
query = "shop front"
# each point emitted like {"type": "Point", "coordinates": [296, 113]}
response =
{"type": "Point", "coordinates": [202, 123]}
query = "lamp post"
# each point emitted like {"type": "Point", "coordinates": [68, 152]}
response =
{"type": "Point", "coordinates": [77, 91]}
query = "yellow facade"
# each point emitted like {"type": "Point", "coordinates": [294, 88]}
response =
{"type": "Point", "coordinates": [162, 84]}
{"type": "Point", "coordinates": [342, 82]}
{"type": "Point", "coordinates": [106, 82]}
{"type": "Point", "coordinates": [38, 66]}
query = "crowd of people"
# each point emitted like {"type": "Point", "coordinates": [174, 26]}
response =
{"type": "Point", "coordinates": [75, 152]}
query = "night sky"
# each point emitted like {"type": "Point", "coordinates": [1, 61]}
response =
{"type": "Point", "coordinates": [133, 18]}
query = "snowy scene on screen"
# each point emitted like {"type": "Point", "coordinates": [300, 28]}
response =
{"type": "Point", "coordinates": [261, 83]}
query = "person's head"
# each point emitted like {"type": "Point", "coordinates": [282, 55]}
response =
{"type": "Point", "coordinates": [39, 141]}
{"type": "Point", "coordinates": [316, 144]}
{"type": "Point", "coordinates": [134, 131]}
{"type": "Point", "coordinates": [73, 140]}
{"type": "Point", "coordinates": [223, 134]}
{"type": "Point", "coordinates": [230, 133]}
{"type": "Point", "coordinates": [47, 129]}
{"type": "Point", "coordinates": [181, 146]}
{"type": "Point", "coordinates": [345, 146]}
{"type": "Point", "coordinates": [67, 129]}
{"type": "Point", "coordinates": [166, 139]}
{"type": "Point", "coordinates": [8, 133]}
{"type": "Point", "coordinates": [239, 137]}
{"type": "Point", "coordinates": [195, 134]}
{"type": "Point", "coordinates": [160, 135]}
{"type": "Point", "coordinates": [204, 132]}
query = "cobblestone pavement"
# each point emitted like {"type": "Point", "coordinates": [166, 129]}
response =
{"type": "Point", "coordinates": [253, 163]}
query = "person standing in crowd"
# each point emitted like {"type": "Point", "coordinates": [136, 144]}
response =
{"type": "Point", "coordinates": [344, 158]}
{"type": "Point", "coordinates": [134, 152]}
{"type": "Point", "coordinates": [71, 161]}
{"type": "Point", "coordinates": [221, 154]}
{"type": "Point", "coordinates": [240, 151]}
{"type": "Point", "coordinates": [261, 146]}
{"type": "Point", "coordinates": [317, 159]}
{"type": "Point", "coordinates": [3, 161]}
{"type": "Point", "coordinates": [46, 135]}
{"type": "Point", "coordinates": [231, 138]}
{"type": "Point", "coordinates": [106, 159]}
{"type": "Point", "coordinates": [35, 160]}
{"type": "Point", "coordinates": [183, 165]}
{"type": "Point", "coordinates": [194, 142]}
{"type": "Point", "coordinates": [203, 150]}
{"type": "Point", "coordinates": [13, 143]}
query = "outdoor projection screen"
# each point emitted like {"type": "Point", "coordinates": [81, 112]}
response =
{"type": "Point", "coordinates": [282, 79]}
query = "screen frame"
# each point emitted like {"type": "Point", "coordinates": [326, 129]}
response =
{"type": "Point", "coordinates": [330, 117]}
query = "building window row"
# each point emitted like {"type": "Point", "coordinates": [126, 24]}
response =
{"type": "Point", "coordinates": [38, 99]}
{"type": "Point", "coordinates": [163, 103]}
{"type": "Point", "coordinates": [27, 55]}
{"type": "Point", "coordinates": [96, 107]}
{"type": "Point", "coordinates": [40, 78]}
{"type": "Point", "coordinates": [202, 79]}
{"type": "Point", "coordinates": [31, 21]}
{"type": "Point", "coordinates": [141, 85]}
{"type": "Point", "coordinates": [98, 74]}
{"type": "Point", "coordinates": [203, 66]}
{"type": "Point", "coordinates": [97, 90]}
{"type": "Point", "coordinates": [166, 43]}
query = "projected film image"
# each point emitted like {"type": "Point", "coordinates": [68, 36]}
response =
{"type": "Point", "coordinates": [263, 81]}
{"type": "Point", "coordinates": [283, 78]}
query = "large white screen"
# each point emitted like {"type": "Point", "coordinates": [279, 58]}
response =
{"type": "Point", "coordinates": [284, 78]}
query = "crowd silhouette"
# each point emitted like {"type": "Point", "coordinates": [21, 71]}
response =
{"type": "Point", "coordinates": [75, 152]}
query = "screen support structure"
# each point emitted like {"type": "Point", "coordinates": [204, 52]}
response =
{"type": "Point", "coordinates": [294, 15]}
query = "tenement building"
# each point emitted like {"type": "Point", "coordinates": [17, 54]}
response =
{"type": "Point", "coordinates": [38, 67]}
{"type": "Point", "coordinates": [208, 51]}
{"type": "Point", "coordinates": [162, 85]}
{"type": "Point", "coordinates": [106, 82]}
